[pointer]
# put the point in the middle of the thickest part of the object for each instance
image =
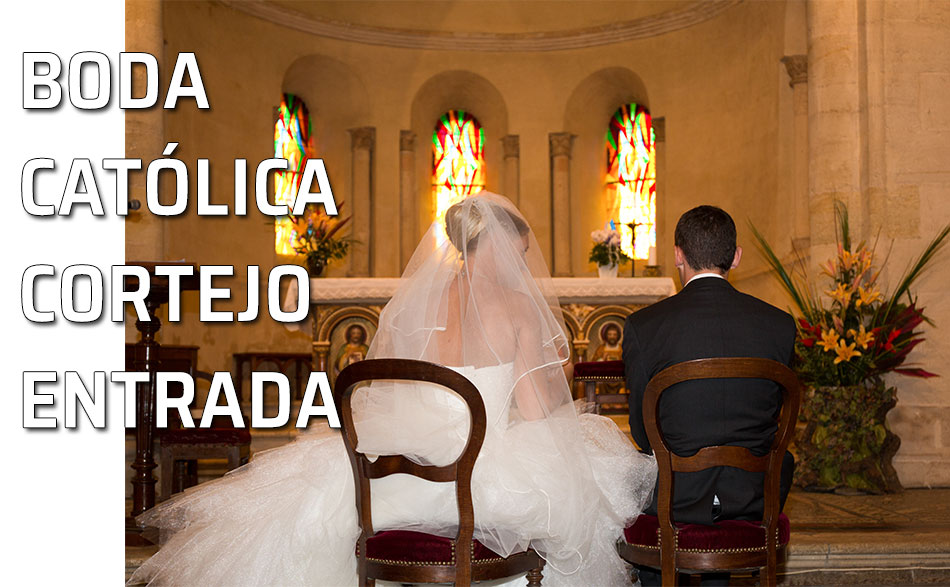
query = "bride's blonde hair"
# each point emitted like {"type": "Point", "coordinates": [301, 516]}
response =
{"type": "Point", "coordinates": [464, 222]}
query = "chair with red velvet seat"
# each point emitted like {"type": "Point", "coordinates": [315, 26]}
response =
{"type": "Point", "coordinates": [414, 557]}
{"type": "Point", "coordinates": [593, 372]}
{"type": "Point", "coordinates": [180, 449]}
{"type": "Point", "coordinates": [729, 545]}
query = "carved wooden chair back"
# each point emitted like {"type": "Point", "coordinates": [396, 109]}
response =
{"type": "Point", "coordinates": [716, 456]}
{"type": "Point", "coordinates": [458, 472]}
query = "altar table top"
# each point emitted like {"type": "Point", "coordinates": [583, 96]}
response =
{"type": "Point", "coordinates": [569, 290]}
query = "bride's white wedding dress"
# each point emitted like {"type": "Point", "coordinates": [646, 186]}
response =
{"type": "Point", "coordinates": [547, 477]}
{"type": "Point", "coordinates": [289, 517]}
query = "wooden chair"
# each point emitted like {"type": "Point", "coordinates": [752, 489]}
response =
{"type": "Point", "coordinates": [180, 448]}
{"type": "Point", "coordinates": [415, 557]}
{"type": "Point", "coordinates": [729, 545]}
{"type": "Point", "coordinates": [593, 372]}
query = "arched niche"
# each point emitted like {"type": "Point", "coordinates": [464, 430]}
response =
{"type": "Point", "coordinates": [587, 115]}
{"type": "Point", "coordinates": [454, 90]}
{"type": "Point", "coordinates": [337, 100]}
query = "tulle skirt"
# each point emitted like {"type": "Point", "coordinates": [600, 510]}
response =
{"type": "Point", "coordinates": [289, 516]}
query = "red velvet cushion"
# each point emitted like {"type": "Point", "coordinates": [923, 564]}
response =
{"type": "Point", "coordinates": [599, 369]}
{"type": "Point", "coordinates": [205, 436]}
{"type": "Point", "coordinates": [727, 534]}
{"type": "Point", "coordinates": [417, 547]}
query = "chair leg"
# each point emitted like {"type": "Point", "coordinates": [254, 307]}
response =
{"type": "Point", "coordinates": [234, 457]}
{"type": "Point", "coordinates": [167, 471]}
{"type": "Point", "coordinates": [668, 572]}
{"type": "Point", "coordinates": [534, 577]}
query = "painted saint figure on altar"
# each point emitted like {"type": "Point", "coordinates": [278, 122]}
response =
{"type": "Point", "coordinates": [609, 349]}
{"type": "Point", "coordinates": [355, 348]}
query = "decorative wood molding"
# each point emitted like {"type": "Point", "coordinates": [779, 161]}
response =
{"type": "Point", "coordinates": [797, 67]}
{"type": "Point", "coordinates": [578, 38]}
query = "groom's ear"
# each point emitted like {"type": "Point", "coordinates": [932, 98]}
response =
{"type": "Point", "coordinates": [738, 256]}
{"type": "Point", "coordinates": [679, 259]}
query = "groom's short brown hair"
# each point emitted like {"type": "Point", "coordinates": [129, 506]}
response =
{"type": "Point", "coordinates": [707, 237]}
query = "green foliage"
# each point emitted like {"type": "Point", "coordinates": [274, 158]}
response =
{"type": "Point", "coordinates": [316, 236]}
{"type": "Point", "coordinates": [845, 441]}
{"type": "Point", "coordinates": [606, 249]}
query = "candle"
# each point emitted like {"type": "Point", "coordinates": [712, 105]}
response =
{"type": "Point", "coordinates": [652, 259]}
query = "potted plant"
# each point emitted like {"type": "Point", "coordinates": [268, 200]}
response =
{"type": "Point", "coordinates": [316, 238]}
{"type": "Point", "coordinates": [606, 251]}
{"type": "Point", "coordinates": [851, 334]}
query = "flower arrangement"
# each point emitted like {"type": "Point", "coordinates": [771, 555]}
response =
{"type": "Point", "coordinates": [843, 349]}
{"type": "Point", "coordinates": [315, 237]}
{"type": "Point", "coordinates": [863, 333]}
{"type": "Point", "coordinates": [606, 250]}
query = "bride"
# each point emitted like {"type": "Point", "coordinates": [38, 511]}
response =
{"type": "Point", "coordinates": [563, 483]}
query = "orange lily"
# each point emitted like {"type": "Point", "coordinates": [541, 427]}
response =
{"type": "Point", "coordinates": [862, 337]}
{"type": "Point", "coordinates": [829, 340]}
{"type": "Point", "coordinates": [841, 294]}
{"type": "Point", "coordinates": [845, 352]}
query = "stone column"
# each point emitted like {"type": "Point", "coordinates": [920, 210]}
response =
{"type": "Point", "coordinates": [560, 146]}
{"type": "Point", "coordinates": [363, 143]}
{"type": "Point", "coordinates": [407, 197]}
{"type": "Point", "coordinates": [512, 152]}
{"type": "Point", "coordinates": [144, 132]}
{"type": "Point", "coordinates": [837, 139]}
{"type": "Point", "coordinates": [797, 67]}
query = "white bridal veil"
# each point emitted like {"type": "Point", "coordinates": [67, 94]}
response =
{"type": "Point", "coordinates": [481, 301]}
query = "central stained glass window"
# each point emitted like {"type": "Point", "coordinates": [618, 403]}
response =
{"type": "Point", "coordinates": [458, 160]}
{"type": "Point", "coordinates": [631, 179]}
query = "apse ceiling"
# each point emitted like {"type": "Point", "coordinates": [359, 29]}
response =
{"type": "Point", "coordinates": [485, 25]}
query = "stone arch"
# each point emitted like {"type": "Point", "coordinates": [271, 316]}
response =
{"type": "Point", "coordinates": [336, 97]}
{"type": "Point", "coordinates": [586, 115]}
{"type": "Point", "coordinates": [338, 101]}
{"type": "Point", "coordinates": [454, 90]}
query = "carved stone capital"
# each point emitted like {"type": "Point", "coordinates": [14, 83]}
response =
{"type": "Point", "coordinates": [363, 137]}
{"type": "Point", "coordinates": [561, 143]}
{"type": "Point", "coordinates": [407, 140]}
{"type": "Point", "coordinates": [659, 129]}
{"type": "Point", "coordinates": [797, 67]}
{"type": "Point", "coordinates": [511, 146]}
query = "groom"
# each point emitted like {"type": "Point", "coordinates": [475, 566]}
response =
{"type": "Point", "coordinates": [709, 318]}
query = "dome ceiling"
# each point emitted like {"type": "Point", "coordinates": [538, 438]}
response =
{"type": "Point", "coordinates": [485, 25]}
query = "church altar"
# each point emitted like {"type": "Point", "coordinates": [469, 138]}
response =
{"type": "Point", "coordinates": [344, 312]}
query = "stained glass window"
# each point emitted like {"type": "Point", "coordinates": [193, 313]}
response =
{"type": "Point", "coordinates": [458, 160]}
{"type": "Point", "coordinates": [292, 141]}
{"type": "Point", "coordinates": [631, 178]}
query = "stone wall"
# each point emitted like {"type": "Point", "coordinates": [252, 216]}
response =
{"type": "Point", "coordinates": [868, 123]}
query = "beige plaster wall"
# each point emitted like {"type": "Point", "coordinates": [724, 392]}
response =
{"type": "Point", "coordinates": [717, 84]}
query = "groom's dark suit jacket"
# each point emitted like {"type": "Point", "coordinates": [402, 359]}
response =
{"type": "Point", "coordinates": [709, 318]}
